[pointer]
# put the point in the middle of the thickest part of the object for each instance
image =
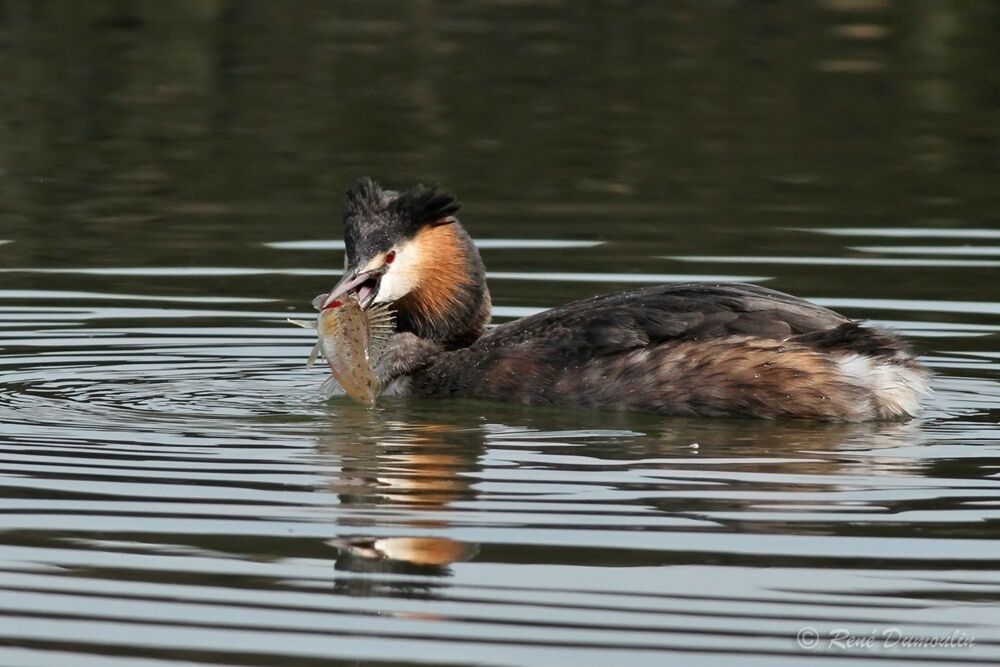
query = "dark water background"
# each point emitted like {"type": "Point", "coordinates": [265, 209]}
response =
{"type": "Point", "coordinates": [174, 490]}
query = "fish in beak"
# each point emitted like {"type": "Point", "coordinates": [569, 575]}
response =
{"type": "Point", "coordinates": [352, 341]}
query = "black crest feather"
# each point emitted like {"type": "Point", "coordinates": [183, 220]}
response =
{"type": "Point", "coordinates": [363, 202]}
{"type": "Point", "coordinates": [362, 198]}
{"type": "Point", "coordinates": [421, 206]}
{"type": "Point", "coordinates": [375, 218]}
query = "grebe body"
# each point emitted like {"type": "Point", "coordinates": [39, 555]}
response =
{"type": "Point", "coordinates": [706, 349]}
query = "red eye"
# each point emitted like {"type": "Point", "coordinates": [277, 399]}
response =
{"type": "Point", "coordinates": [390, 257]}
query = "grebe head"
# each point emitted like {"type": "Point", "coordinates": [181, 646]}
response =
{"type": "Point", "coordinates": [408, 249]}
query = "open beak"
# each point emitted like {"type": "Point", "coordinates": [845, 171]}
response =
{"type": "Point", "coordinates": [365, 284]}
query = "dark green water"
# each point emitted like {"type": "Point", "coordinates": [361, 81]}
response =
{"type": "Point", "coordinates": [175, 491]}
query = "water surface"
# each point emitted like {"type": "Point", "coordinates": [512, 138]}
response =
{"type": "Point", "coordinates": [174, 490]}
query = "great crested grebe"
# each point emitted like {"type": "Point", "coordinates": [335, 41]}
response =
{"type": "Point", "coordinates": [710, 349]}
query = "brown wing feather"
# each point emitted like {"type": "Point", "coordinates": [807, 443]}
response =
{"type": "Point", "coordinates": [652, 315]}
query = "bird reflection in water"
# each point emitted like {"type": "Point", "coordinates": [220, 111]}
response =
{"type": "Point", "coordinates": [429, 556]}
{"type": "Point", "coordinates": [409, 465]}
{"type": "Point", "coordinates": [406, 469]}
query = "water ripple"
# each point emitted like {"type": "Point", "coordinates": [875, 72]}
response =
{"type": "Point", "coordinates": [170, 487]}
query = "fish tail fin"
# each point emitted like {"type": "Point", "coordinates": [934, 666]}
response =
{"type": "Point", "coordinates": [331, 388]}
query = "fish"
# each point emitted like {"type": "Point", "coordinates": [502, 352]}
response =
{"type": "Point", "coordinates": [352, 341]}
